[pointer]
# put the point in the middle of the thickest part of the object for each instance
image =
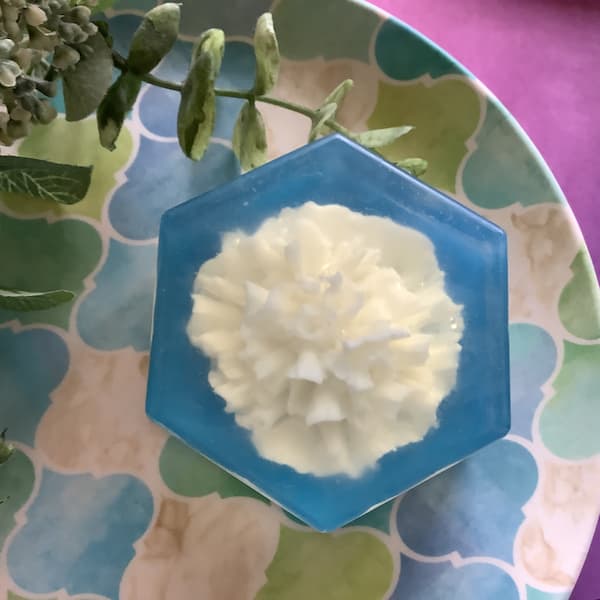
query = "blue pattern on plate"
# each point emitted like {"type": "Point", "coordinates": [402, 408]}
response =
{"type": "Point", "coordinates": [160, 178]}
{"type": "Point", "coordinates": [474, 508]}
{"type": "Point", "coordinates": [443, 581]}
{"type": "Point", "coordinates": [79, 534]}
{"type": "Point", "coordinates": [414, 60]}
{"type": "Point", "coordinates": [118, 311]}
{"type": "Point", "coordinates": [526, 375]}
{"type": "Point", "coordinates": [122, 28]}
{"type": "Point", "coordinates": [236, 17]}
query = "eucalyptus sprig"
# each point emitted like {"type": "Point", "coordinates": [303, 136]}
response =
{"type": "Point", "coordinates": [44, 40]}
{"type": "Point", "coordinates": [197, 110]}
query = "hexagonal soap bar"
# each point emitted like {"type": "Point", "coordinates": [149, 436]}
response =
{"type": "Point", "coordinates": [469, 250]}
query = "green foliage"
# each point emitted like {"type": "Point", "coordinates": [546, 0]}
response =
{"type": "Point", "coordinates": [197, 110]}
{"type": "Point", "coordinates": [65, 184]}
{"type": "Point", "coordinates": [87, 82]}
{"type": "Point", "coordinates": [381, 137]}
{"type": "Point", "coordinates": [250, 138]}
{"type": "Point", "coordinates": [39, 42]}
{"type": "Point", "coordinates": [29, 301]}
{"type": "Point", "coordinates": [339, 92]}
{"type": "Point", "coordinates": [113, 109]}
{"type": "Point", "coordinates": [266, 50]}
{"type": "Point", "coordinates": [319, 121]}
{"type": "Point", "coordinates": [6, 448]}
{"type": "Point", "coordinates": [154, 38]}
{"type": "Point", "coordinates": [415, 166]}
{"type": "Point", "coordinates": [62, 41]}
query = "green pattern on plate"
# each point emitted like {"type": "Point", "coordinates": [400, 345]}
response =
{"type": "Point", "coordinates": [74, 143]}
{"type": "Point", "coordinates": [352, 37]}
{"type": "Point", "coordinates": [533, 594]}
{"type": "Point", "coordinates": [569, 422]}
{"type": "Point", "coordinates": [503, 170]}
{"type": "Point", "coordinates": [378, 518]}
{"type": "Point", "coordinates": [580, 301]}
{"type": "Point", "coordinates": [37, 255]}
{"type": "Point", "coordinates": [347, 566]}
{"type": "Point", "coordinates": [429, 107]}
{"type": "Point", "coordinates": [189, 474]}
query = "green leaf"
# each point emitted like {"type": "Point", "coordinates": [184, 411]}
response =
{"type": "Point", "coordinates": [113, 109]}
{"type": "Point", "coordinates": [339, 93]}
{"type": "Point", "coordinates": [86, 83]}
{"type": "Point", "coordinates": [323, 114]}
{"type": "Point", "coordinates": [103, 30]}
{"type": "Point", "coordinates": [197, 109]}
{"type": "Point", "coordinates": [154, 37]}
{"type": "Point", "coordinates": [250, 138]}
{"type": "Point", "coordinates": [266, 50]}
{"type": "Point", "coordinates": [6, 450]}
{"type": "Point", "coordinates": [213, 42]}
{"type": "Point", "coordinates": [381, 137]}
{"type": "Point", "coordinates": [196, 115]}
{"type": "Point", "coordinates": [27, 301]}
{"type": "Point", "coordinates": [66, 184]}
{"type": "Point", "coordinates": [415, 166]}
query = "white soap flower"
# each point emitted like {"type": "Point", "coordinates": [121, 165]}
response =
{"type": "Point", "coordinates": [331, 336]}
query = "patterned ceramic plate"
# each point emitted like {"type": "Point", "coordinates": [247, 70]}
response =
{"type": "Point", "coordinates": [104, 505]}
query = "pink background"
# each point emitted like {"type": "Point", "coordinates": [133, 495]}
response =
{"type": "Point", "coordinates": [542, 59]}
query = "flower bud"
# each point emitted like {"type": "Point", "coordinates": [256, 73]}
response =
{"type": "Point", "coordinates": [6, 47]}
{"type": "Point", "coordinates": [68, 31]}
{"type": "Point", "coordinates": [44, 112]}
{"type": "Point", "coordinates": [18, 129]}
{"type": "Point", "coordinates": [80, 14]}
{"type": "Point", "coordinates": [42, 41]}
{"type": "Point", "coordinates": [9, 71]}
{"type": "Point", "coordinates": [24, 86]}
{"type": "Point", "coordinates": [4, 116]}
{"type": "Point", "coordinates": [23, 58]}
{"type": "Point", "coordinates": [13, 31]}
{"type": "Point", "coordinates": [90, 28]}
{"type": "Point", "coordinates": [18, 113]}
{"type": "Point", "coordinates": [65, 56]}
{"type": "Point", "coordinates": [10, 13]}
{"type": "Point", "coordinates": [28, 102]}
{"type": "Point", "coordinates": [48, 88]}
{"type": "Point", "coordinates": [34, 15]}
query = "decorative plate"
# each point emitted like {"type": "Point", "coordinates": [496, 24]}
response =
{"type": "Point", "coordinates": [103, 504]}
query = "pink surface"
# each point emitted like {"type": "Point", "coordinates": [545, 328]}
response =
{"type": "Point", "coordinates": [542, 59]}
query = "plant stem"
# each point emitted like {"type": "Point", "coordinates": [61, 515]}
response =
{"type": "Point", "coordinates": [163, 83]}
{"type": "Point", "coordinates": [121, 64]}
{"type": "Point", "coordinates": [303, 110]}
